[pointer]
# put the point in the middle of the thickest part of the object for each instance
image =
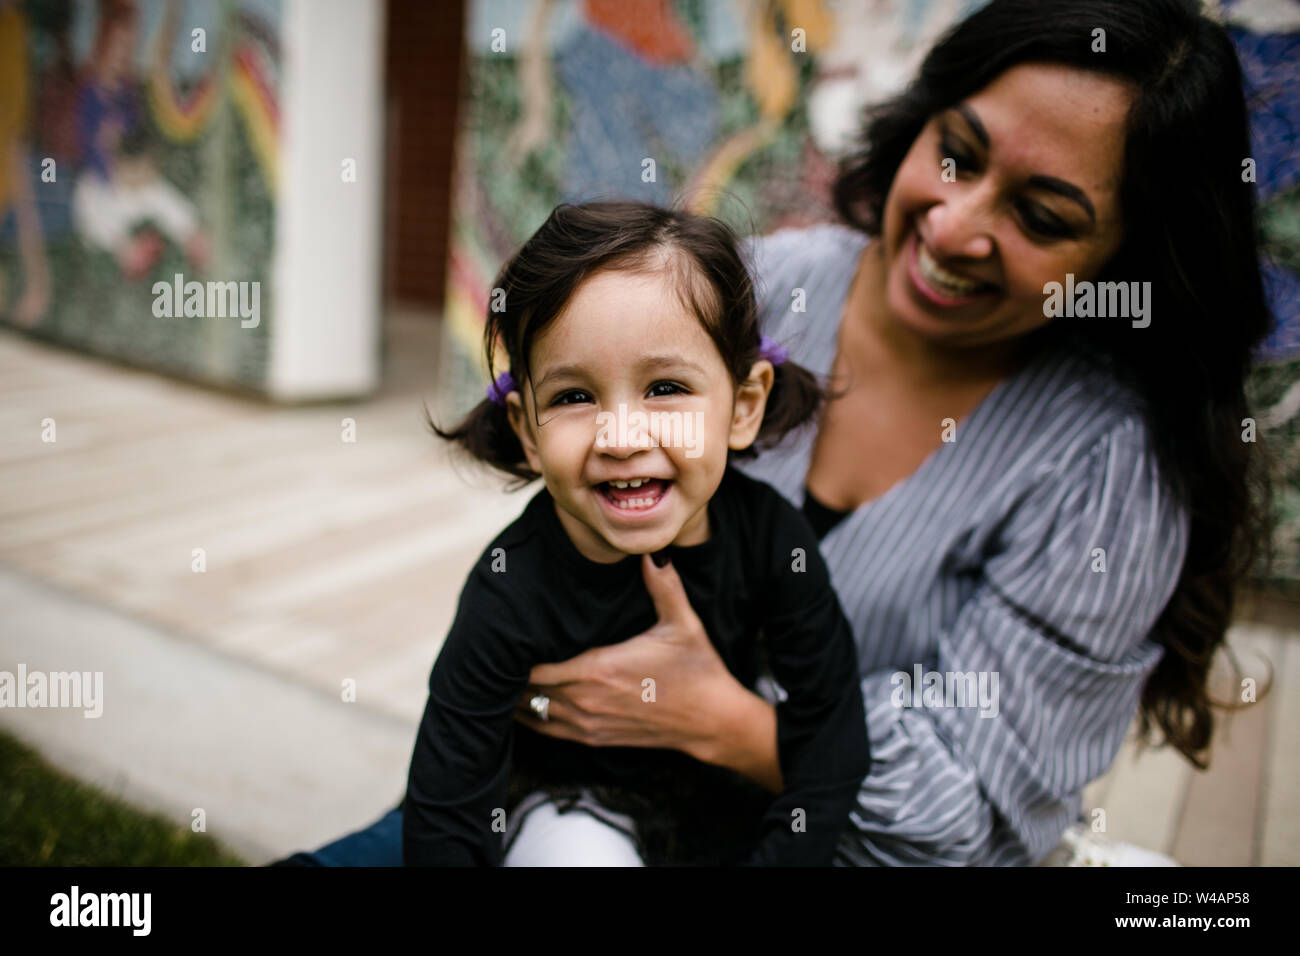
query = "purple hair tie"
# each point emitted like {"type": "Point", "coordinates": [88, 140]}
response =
{"type": "Point", "coordinates": [772, 350]}
{"type": "Point", "coordinates": [503, 386]}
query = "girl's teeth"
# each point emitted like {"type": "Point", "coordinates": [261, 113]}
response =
{"type": "Point", "coordinates": [636, 503]}
{"type": "Point", "coordinates": [648, 500]}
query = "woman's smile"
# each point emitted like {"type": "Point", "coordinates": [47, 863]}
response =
{"type": "Point", "coordinates": [937, 286]}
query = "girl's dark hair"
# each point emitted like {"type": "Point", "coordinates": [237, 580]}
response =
{"type": "Point", "coordinates": [701, 257]}
{"type": "Point", "coordinates": [1189, 222]}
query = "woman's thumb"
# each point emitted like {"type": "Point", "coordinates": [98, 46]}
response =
{"type": "Point", "coordinates": [665, 587]}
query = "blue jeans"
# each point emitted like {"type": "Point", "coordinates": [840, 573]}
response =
{"type": "Point", "coordinates": [379, 844]}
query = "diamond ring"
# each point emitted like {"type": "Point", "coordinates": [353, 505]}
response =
{"type": "Point", "coordinates": [541, 706]}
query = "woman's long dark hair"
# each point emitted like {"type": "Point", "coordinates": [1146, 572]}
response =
{"type": "Point", "coordinates": [701, 257]}
{"type": "Point", "coordinates": [1190, 229]}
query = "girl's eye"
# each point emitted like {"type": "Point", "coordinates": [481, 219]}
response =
{"type": "Point", "coordinates": [571, 397]}
{"type": "Point", "coordinates": [674, 389]}
{"type": "Point", "coordinates": [1039, 220]}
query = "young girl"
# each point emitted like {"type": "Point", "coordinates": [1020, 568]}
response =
{"type": "Point", "coordinates": [637, 373]}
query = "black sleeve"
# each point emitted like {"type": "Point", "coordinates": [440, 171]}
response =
{"type": "Point", "coordinates": [821, 725]}
{"type": "Point", "coordinates": [454, 812]}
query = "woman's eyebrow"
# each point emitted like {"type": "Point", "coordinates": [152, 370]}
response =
{"type": "Point", "coordinates": [974, 123]}
{"type": "Point", "coordinates": [1050, 183]}
{"type": "Point", "coordinates": [1068, 190]}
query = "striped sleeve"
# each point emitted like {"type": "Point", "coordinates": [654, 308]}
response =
{"type": "Point", "coordinates": [1058, 630]}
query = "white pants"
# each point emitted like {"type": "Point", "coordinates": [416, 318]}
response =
{"type": "Point", "coordinates": [550, 835]}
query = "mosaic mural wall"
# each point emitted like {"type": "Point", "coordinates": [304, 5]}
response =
{"type": "Point", "coordinates": [1267, 36]}
{"type": "Point", "coordinates": [138, 144]}
{"type": "Point", "coordinates": [567, 97]}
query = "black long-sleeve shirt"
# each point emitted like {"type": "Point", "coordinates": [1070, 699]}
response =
{"type": "Point", "coordinates": [763, 594]}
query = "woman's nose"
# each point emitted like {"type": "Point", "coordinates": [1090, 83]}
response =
{"type": "Point", "coordinates": [958, 227]}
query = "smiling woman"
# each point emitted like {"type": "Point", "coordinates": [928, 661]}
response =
{"type": "Point", "coordinates": [1120, 164]}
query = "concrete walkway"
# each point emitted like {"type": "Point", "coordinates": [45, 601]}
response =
{"type": "Point", "coordinates": [327, 564]}
{"type": "Point", "coordinates": [275, 765]}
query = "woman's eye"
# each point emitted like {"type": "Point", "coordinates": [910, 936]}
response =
{"type": "Point", "coordinates": [674, 388]}
{"type": "Point", "coordinates": [1036, 218]}
{"type": "Point", "coordinates": [1039, 220]}
{"type": "Point", "coordinates": [571, 397]}
{"type": "Point", "coordinates": [948, 149]}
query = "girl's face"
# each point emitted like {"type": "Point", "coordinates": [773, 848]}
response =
{"type": "Point", "coordinates": [1031, 194]}
{"type": "Point", "coordinates": [627, 386]}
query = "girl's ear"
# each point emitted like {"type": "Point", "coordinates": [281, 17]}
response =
{"type": "Point", "coordinates": [751, 403]}
{"type": "Point", "coordinates": [523, 429]}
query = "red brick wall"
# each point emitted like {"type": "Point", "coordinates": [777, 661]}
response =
{"type": "Point", "coordinates": [423, 74]}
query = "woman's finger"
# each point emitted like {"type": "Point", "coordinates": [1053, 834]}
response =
{"type": "Point", "coordinates": [675, 617]}
{"type": "Point", "coordinates": [557, 724]}
{"type": "Point", "coordinates": [556, 709]}
{"type": "Point", "coordinates": [564, 672]}
{"type": "Point", "coordinates": [672, 606]}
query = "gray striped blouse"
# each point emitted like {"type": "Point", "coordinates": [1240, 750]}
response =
{"type": "Point", "coordinates": [1001, 596]}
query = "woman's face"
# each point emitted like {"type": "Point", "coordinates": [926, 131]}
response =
{"type": "Point", "coordinates": [1029, 193]}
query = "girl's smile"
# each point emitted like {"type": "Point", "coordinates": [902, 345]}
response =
{"type": "Point", "coordinates": [635, 499]}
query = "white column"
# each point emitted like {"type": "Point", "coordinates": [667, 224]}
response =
{"type": "Point", "coordinates": [326, 321]}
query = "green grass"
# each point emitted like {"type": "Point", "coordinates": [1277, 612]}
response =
{"type": "Point", "coordinates": [50, 819]}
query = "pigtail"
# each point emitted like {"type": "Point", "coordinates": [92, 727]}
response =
{"type": "Point", "coordinates": [796, 398]}
{"type": "Point", "coordinates": [485, 435]}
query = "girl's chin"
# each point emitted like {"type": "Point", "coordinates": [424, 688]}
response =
{"type": "Point", "coordinates": [641, 541]}
{"type": "Point", "coordinates": [626, 547]}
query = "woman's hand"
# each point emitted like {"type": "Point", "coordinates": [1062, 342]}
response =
{"type": "Point", "coordinates": [665, 688]}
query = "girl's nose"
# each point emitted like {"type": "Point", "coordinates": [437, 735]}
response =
{"type": "Point", "coordinates": [624, 430]}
